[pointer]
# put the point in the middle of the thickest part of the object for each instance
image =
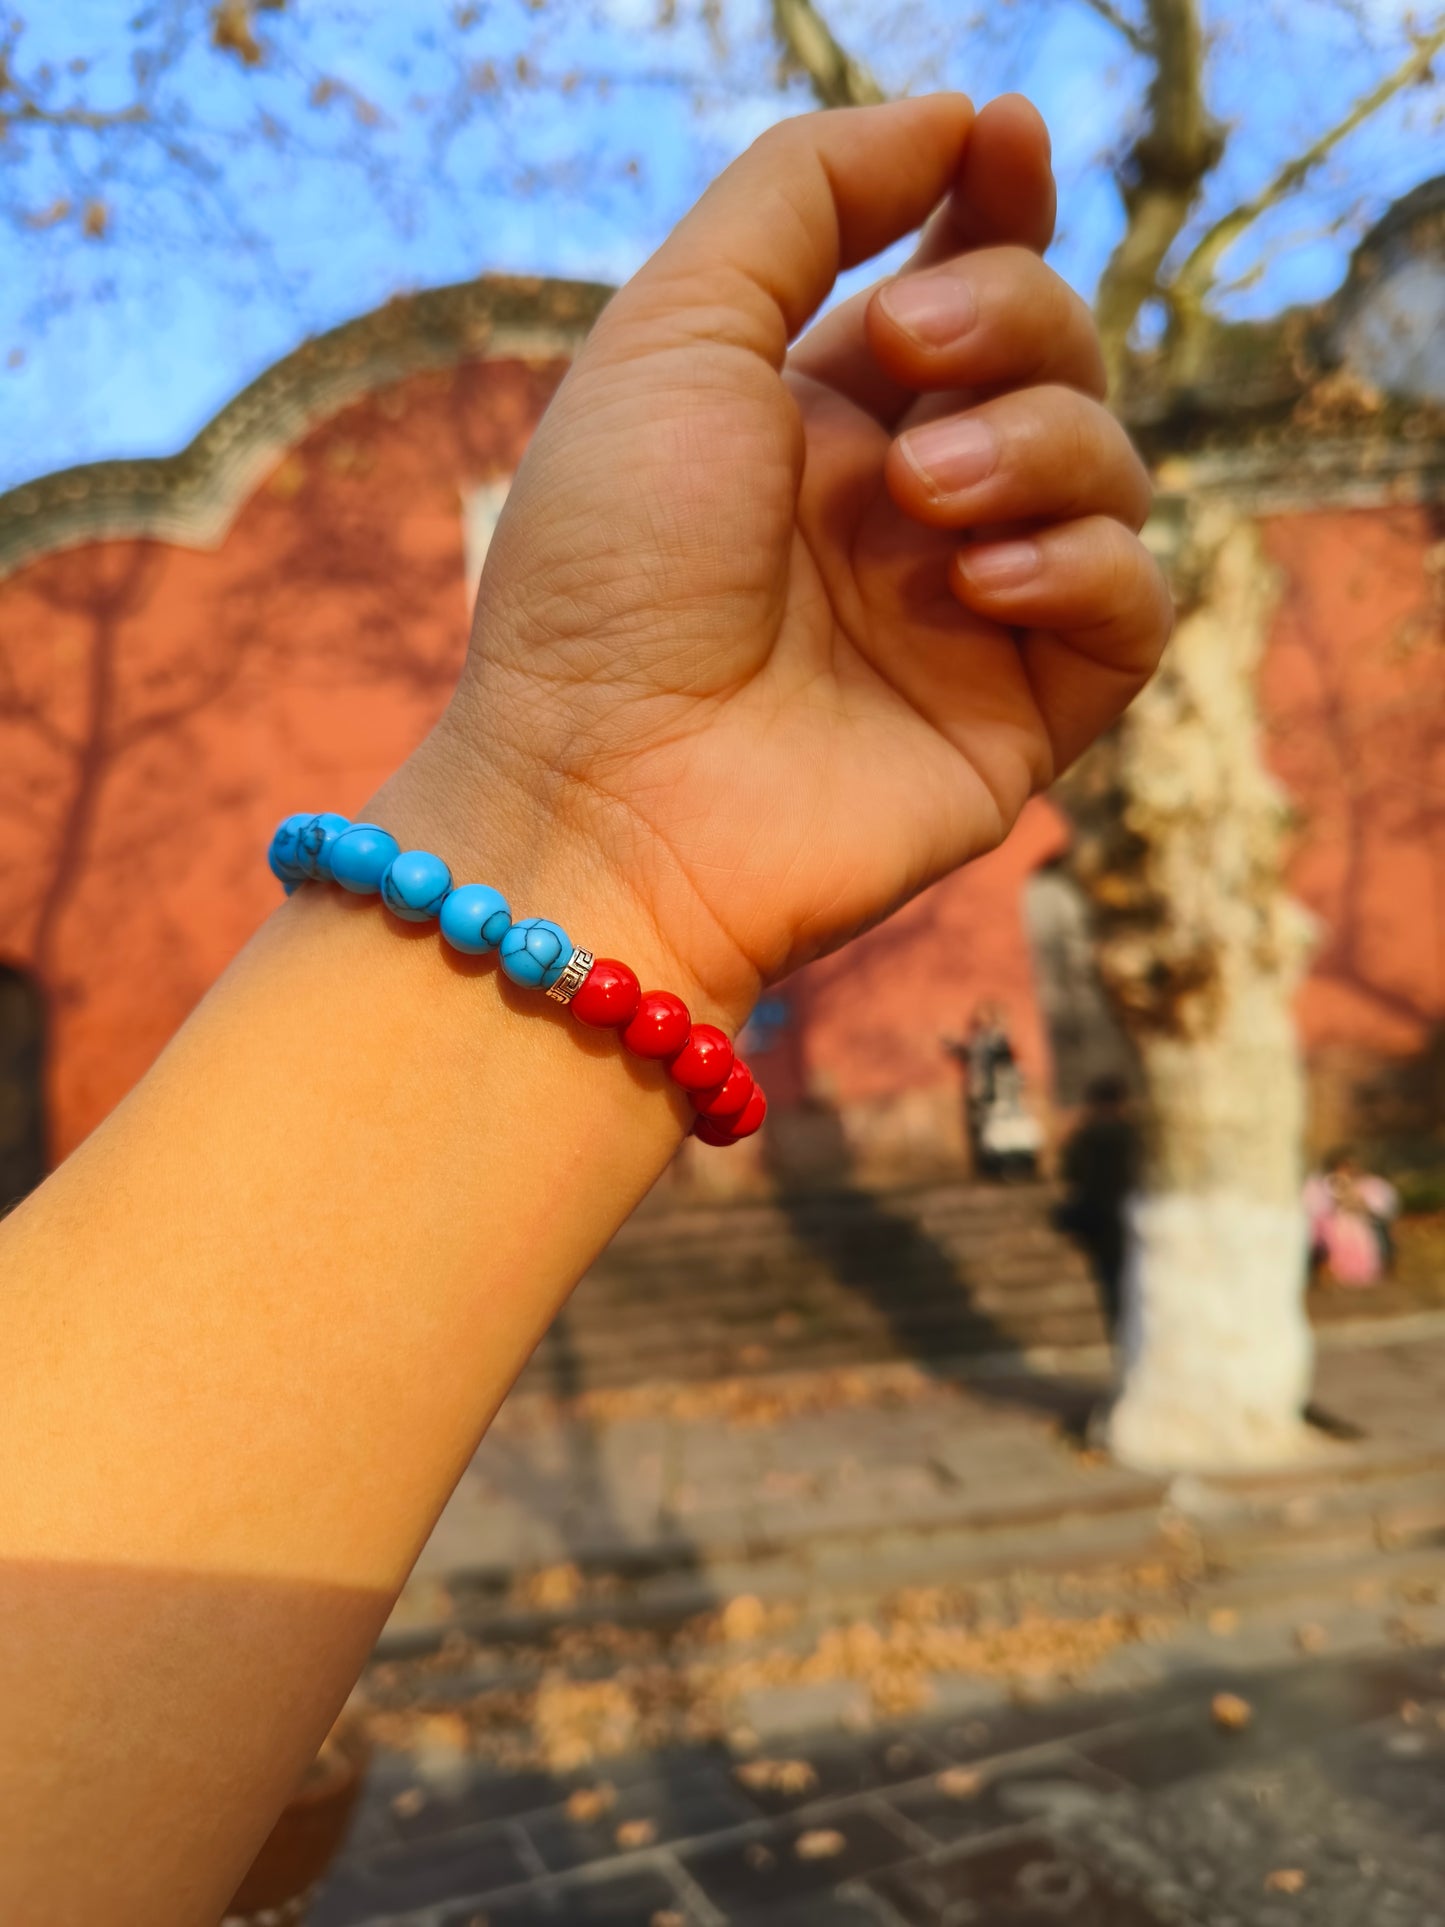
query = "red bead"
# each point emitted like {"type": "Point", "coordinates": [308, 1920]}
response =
{"type": "Point", "coordinates": [704, 1060]}
{"type": "Point", "coordinates": [609, 996]}
{"type": "Point", "coordinates": [731, 1130]}
{"type": "Point", "coordinates": [727, 1098]}
{"type": "Point", "coordinates": [660, 1026]}
{"type": "Point", "coordinates": [750, 1116]}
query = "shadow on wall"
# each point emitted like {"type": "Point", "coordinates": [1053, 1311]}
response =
{"type": "Point", "coordinates": [1085, 1040]}
{"type": "Point", "coordinates": [22, 1093]}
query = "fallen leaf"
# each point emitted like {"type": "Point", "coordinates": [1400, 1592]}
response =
{"type": "Point", "coordinates": [819, 1843]}
{"type": "Point", "coordinates": [960, 1782]}
{"type": "Point", "coordinates": [1223, 1621]}
{"type": "Point", "coordinates": [1285, 1880]}
{"type": "Point", "coordinates": [743, 1618]}
{"type": "Point", "coordinates": [633, 1834]}
{"type": "Point", "coordinates": [408, 1803]}
{"type": "Point", "coordinates": [553, 1588]}
{"type": "Point", "coordinates": [589, 1803]}
{"type": "Point", "coordinates": [1311, 1639]}
{"type": "Point", "coordinates": [776, 1776]}
{"type": "Point", "coordinates": [1231, 1712]}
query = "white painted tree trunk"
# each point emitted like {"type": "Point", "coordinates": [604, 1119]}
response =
{"type": "Point", "coordinates": [1201, 950]}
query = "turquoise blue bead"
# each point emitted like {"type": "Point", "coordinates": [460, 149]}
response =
{"type": "Point", "coordinates": [415, 885]}
{"type": "Point", "coordinates": [283, 856]}
{"type": "Point", "coordinates": [535, 953]}
{"type": "Point", "coordinates": [475, 918]}
{"type": "Point", "coordinates": [360, 857]}
{"type": "Point", "coordinates": [314, 841]}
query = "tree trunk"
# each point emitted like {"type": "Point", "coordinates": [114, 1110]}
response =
{"type": "Point", "coordinates": [1201, 950]}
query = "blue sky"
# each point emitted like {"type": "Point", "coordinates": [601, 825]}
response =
{"type": "Point", "coordinates": [429, 158]}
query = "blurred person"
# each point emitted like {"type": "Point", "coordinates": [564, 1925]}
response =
{"type": "Point", "coordinates": [1100, 1169]}
{"type": "Point", "coordinates": [752, 665]}
{"type": "Point", "coordinates": [1350, 1214]}
{"type": "Point", "coordinates": [1004, 1138]}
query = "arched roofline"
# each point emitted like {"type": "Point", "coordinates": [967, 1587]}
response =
{"type": "Point", "coordinates": [194, 496]}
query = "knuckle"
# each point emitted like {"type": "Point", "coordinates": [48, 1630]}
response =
{"type": "Point", "coordinates": [1119, 573]}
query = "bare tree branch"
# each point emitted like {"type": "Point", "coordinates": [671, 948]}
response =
{"type": "Point", "coordinates": [1138, 37]}
{"type": "Point", "coordinates": [809, 44]}
{"type": "Point", "coordinates": [1163, 176]}
{"type": "Point", "coordinates": [1194, 278]}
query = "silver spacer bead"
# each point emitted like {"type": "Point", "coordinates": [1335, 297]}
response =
{"type": "Point", "coordinates": [573, 977]}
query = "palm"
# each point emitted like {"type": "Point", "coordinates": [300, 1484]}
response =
{"type": "Point", "coordinates": [705, 614]}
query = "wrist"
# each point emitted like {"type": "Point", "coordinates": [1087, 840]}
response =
{"type": "Point", "coordinates": [554, 851]}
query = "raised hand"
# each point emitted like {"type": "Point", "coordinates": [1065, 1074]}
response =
{"type": "Point", "coordinates": [779, 634]}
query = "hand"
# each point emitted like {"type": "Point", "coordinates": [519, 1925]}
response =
{"type": "Point", "coordinates": [778, 636]}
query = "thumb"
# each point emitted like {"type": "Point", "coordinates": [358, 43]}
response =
{"type": "Point", "coordinates": [761, 250]}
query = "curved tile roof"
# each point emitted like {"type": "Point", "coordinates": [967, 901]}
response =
{"type": "Point", "coordinates": [193, 497]}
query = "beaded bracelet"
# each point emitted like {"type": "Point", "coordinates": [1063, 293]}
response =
{"type": "Point", "coordinates": [477, 920]}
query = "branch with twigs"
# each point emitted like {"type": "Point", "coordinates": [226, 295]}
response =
{"type": "Point", "coordinates": [1138, 37]}
{"type": "Point", "coordinates": [810, 45]}
{"type": "Point", "coordinates": [1198, 272]}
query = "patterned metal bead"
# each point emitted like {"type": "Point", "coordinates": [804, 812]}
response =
{"type": "Point", "coordinates": [574, 975]}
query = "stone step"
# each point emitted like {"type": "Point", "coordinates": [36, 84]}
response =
{"type": "Point", "coordinates": [761, 1305]}
{"type": "Point", "coordinates": [1311, 1536]}
{"type": "Point", "coordinates": [786, 1267]}
{"type": "Point", "coordinates": [694, 1289]}
{"type": "Point", "coordinates": [692, 1354]}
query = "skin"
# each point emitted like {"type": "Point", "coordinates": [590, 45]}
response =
{"type": "Point", "coordinates": [753, 664]}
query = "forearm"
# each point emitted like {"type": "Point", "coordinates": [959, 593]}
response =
{"type": "Point", "coordinates": [254, 1329]}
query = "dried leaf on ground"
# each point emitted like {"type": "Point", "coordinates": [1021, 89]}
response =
{"type": "Point", "coordinates": [743, 1618]}
{"type": "Point", "coordinates": [1285, 1880]}
{"type": "Point", "coordinates": [819, 1843]}
{"type": "Point", "coordinates": [775, 1776]}
{"type": "Point", "coordinates": [589, 1803]}
{"type": "Point", "coordinates": [960, 1782]}
{"type": "Point", "coordinates": [578, 1721]}
{"type": "Point", "coordinates": [408, 1803]}
{"type": "Point", "coordinates": [1311, 1638]}
{"type": "Point", "coordinates": [553, 1589]}
{"type": "Point", "coordinates": [1223, 1622]}
{"type": "Point", "coordinates": [633, 1835]}
{"type": "Point", "coordinates": [1230, 1712]}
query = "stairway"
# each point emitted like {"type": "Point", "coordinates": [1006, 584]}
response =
{"type": "Point", "coordinates": [930, 1273]}
{"type": "Point", "coordinates": [941, 1273]}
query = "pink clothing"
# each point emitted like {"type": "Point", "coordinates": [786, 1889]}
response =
{"type": "Point", "coordinates": [1345, 1216]}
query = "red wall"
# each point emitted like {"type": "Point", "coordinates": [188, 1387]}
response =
{"type": "Point", "coordinates": [1353, 694]}
{"type": "Point", "coordinates": [161, 707]}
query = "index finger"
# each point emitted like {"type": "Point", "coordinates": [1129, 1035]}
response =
{"type": "Point", "coordinates": [1003, 193]}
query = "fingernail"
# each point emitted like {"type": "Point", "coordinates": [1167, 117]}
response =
{"type": "Point", "coordinates": [952, 455]}
{"type": "Point", "coordinates": [1001, 565]}
{"type": "Point", "coordinates": [934, 308]}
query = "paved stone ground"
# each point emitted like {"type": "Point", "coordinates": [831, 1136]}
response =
{"type": "Point", "coordinates": [585, 1533]}
{"type": "Point", "coordinates": [777, 1487]}
{"type": "Point", "coordinates": [1116, 1809]}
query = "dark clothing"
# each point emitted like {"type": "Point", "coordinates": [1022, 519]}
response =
{"type": "Point", "coordinates": [1100, 1168]}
